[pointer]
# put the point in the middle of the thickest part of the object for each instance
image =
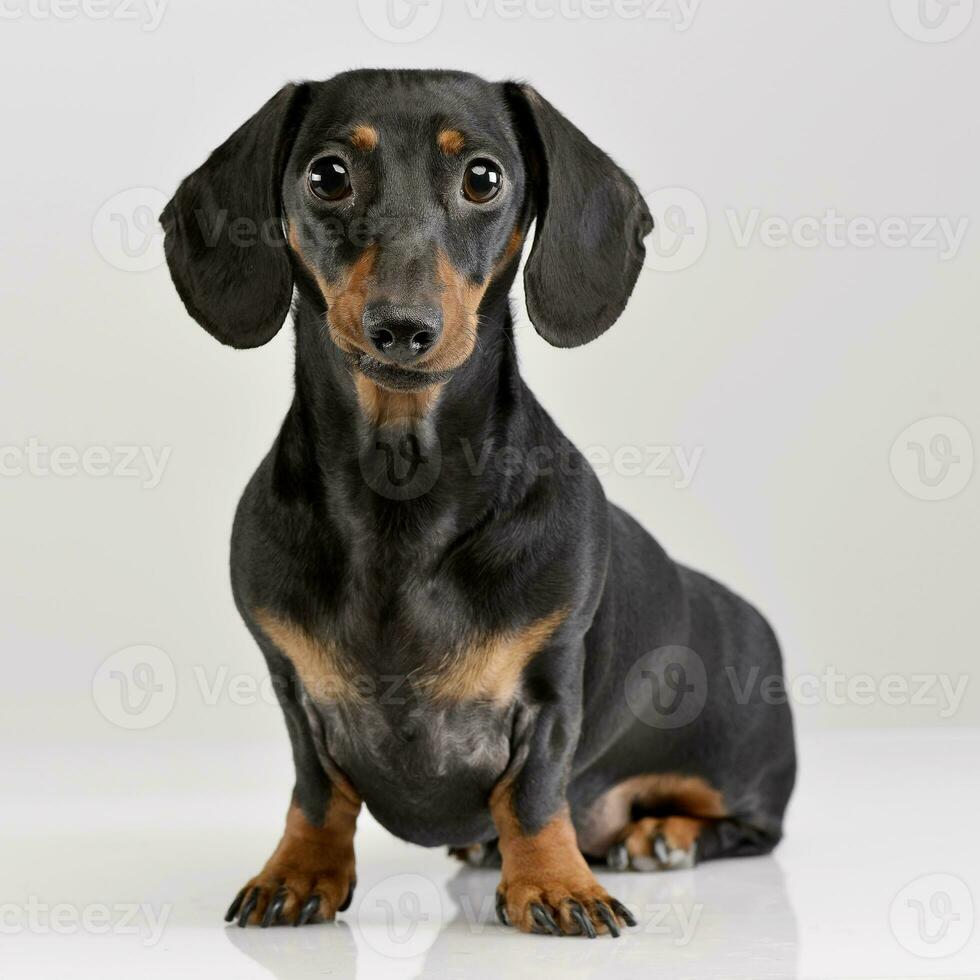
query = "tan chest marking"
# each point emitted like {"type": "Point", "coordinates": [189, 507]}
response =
{"type": "Point", "coordinates": [322, 668]}
{"type": "Point", "coordinates": [489, 670]}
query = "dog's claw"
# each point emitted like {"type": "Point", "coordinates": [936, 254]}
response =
{"type": "Point", "coordinates": [308, 910]}
{"type": "Point", "coordinates": [345, 904]}
{"type": "Point", "coordinates": [605, 913]}
{"type": "Point", "coordinates": [274, 910]}
{"type": "Point", "coordinates": [618, 858]}
{"type": "Point", "coordinates": [235, 905]}
{"type": "Point", "coordinates": [545, 919]}
{"type": "Point", "coordinates": [248, 907]}
{"type": "Point", "coordinates": [584, 922]}
{"type": "Point", "coordinates": [624, 913]}
{"type": "Point", "coordinates": [502, 909]}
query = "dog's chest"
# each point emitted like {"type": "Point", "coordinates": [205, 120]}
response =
{"type": "Point", "coordinates": [424, 767]}
{"type": "Point", "coordinates": [418, 716]}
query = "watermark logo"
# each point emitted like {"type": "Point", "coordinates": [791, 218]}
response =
{"type": "Point", "coordinates": [932, 459]}
{"type": "Point", "coordinates": [667, 687]}
{"type": "Point", "coordinates": [135, 688]}
{"type": "Point", "coordinates": [932, 21]}
{"type": "Point", "coordinates": [400, 917]}
{"type": "Point", "coordinates": [933, 916]}
{"type": "Point", "coordinates": [401, 462]}
{"type": "Point", "coordinates": [126, 230]}
{"type": "Point", "coordinates": [680, 232]}
{"type": "Point", "coordinates": [400, 21]}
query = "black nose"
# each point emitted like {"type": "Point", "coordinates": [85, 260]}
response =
{"type": "Point", "coordinates": [402, 333]}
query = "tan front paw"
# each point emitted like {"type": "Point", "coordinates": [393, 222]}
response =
{"type": "Point", "coordinates": [547, 885]}
{"type": "Point", "coordinates": [579, 906]}
{"type": "Point", "coordinates": [310, 877]}
{"type": "Point", "coordinates": [292, 897]}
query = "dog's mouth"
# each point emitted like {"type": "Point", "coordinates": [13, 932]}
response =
{"type": "Point", "coordinates": [395, 378]}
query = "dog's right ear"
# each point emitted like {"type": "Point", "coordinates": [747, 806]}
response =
{"type": "Point", "coordinates": [224, 240]}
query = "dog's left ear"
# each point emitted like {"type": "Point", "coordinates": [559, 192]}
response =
{"type": "Point", "coordinates": [224, 240]}
{"type": "Point", "coordinates": [591, 221]}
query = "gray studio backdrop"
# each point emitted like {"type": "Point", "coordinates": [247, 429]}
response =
{"type": "Point", "coordinates": [790, 401]}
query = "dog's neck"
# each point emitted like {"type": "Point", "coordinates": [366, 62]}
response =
{"type": "Point", "coordinates": [424, 467]}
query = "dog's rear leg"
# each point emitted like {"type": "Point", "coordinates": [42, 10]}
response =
{"type": "Point", "coordinates": [665, 821]}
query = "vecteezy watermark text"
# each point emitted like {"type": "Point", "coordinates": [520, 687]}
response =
{"type": "Point", "coordinates": [837, 688]}
{"type": "Point", "coordinates": [117, 462]}
{"type": "Point", "coordinates": [98, 919]}
{"type": "Point", "coordinates": [148, 13]}
{"type": "Point", "coordinates": [667, 688]}
{"type": "Point", "coordinates": [831, 229]}
{"type": "Point", "coordinates": [679, 14]}
{"type": "Point", "coordinates": [661, 462]}
{"type": "Point", "coordinates": [405, 21]}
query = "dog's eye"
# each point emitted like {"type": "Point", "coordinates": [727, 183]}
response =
{"type": "Point", "coordinates": [329, 179]}
{"type": "Point", "coordinates": [482, 181]}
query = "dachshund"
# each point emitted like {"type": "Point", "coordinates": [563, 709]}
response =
{"type": "Point", "coordinates": [463, 633]}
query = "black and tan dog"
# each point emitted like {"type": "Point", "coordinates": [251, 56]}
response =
{"type": "Point", "coordinates": [463, 631]}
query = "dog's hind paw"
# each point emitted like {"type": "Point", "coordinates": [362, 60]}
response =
{"type": "Point", "coordinates": [654, 844]}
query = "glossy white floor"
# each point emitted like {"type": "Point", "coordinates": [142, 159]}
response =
{"type": "Point", "coordinates": [128, 874]}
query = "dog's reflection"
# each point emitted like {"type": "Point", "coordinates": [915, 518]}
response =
{"type": "Point", "coordinates": [291, 953]}
{"type": "Point", "coordinates": [727, 918]}
{"type": "Point", "coordinates": [732, 919]}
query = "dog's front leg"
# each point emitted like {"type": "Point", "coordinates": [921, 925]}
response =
{"type": "Point", "coordinates": [546, 884]}
{"type": "Point", "coordinates": [311, 874]}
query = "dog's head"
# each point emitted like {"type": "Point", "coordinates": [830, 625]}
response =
{"type": "Point", "coordinates": [396, 200]}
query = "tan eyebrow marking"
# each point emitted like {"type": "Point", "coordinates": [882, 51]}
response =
{"type": "Point", "coordinates": [451, 141]}
{"type": "Point", "coordinates": [364, 137]}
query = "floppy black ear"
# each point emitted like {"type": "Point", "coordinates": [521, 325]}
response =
{"type": "Point", "coordinates": [591, 221]}
{"type": "Point", "coordinates": [224, 240]}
